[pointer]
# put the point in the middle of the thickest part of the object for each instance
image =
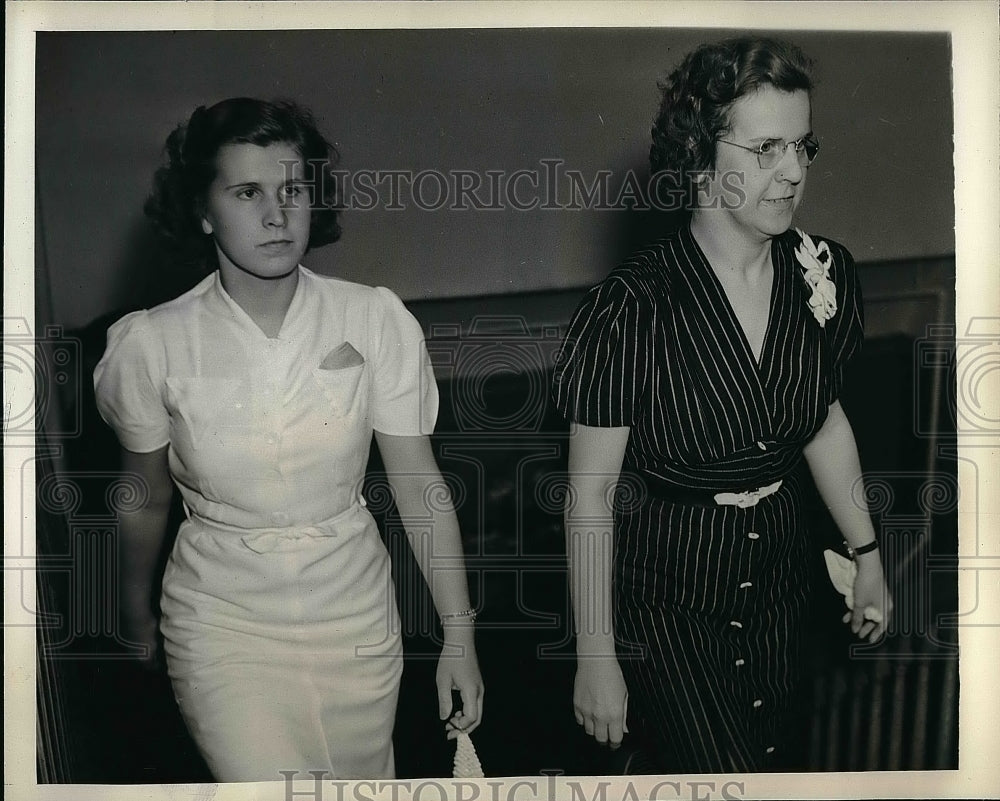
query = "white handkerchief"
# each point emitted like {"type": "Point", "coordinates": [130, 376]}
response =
{"type": "Point", "coordinates": [842, 572]}
{"type": "Point", "coordinates": [466, 765]}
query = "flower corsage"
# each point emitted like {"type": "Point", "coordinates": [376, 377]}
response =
{"type": "Point", "coordinates": [816, 261]}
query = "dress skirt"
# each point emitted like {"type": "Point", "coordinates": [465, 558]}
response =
{"type": "Point", "coordinates": [709, 611]}
{"type": "Point", "coordinates": [283, 647]}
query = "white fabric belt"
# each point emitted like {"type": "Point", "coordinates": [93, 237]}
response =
{"type": "Point", "coordinates": [264, 540]}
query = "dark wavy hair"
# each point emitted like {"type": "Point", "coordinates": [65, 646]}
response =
{"type": "Point", "coordinates": [698, 95]}
{"type": "Point", "coordinates": [177, 203]}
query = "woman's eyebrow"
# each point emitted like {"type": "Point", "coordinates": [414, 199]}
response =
{"type": "Point", "coordinates": [244, 183]}
{"type": "Point", "coordinates": [779, 138]}
{"type": "Point", "coordinates": [257, 184]}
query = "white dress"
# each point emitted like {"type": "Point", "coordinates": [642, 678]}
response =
{"type": "Point", "coordinates": [279, 614]}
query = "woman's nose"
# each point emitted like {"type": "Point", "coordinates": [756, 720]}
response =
{"type": "Point", "coordinates": [274, 213]}
{"type": "Point", "coordinates": [788, 168]}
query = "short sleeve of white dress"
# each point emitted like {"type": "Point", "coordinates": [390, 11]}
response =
{"type": "Point", "coordinates": [405, 393]}
{"type": "Point", "coordinates": [127, 385]}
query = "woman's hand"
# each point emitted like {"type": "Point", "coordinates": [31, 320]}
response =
{"type": "Point", "coordinates": [872, 601]}
{"type": "Point", "coordinates": [458, 669]}
{"type": "Point", "coordinates": [599, 698]}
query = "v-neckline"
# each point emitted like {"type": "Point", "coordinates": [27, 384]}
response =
{"type": "Point", "coordinates": [759, 362]}
{"type": "Point", "coordinates": [291, 313]}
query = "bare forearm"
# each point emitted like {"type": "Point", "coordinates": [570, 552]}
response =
{"type": "Point", "coordinates": [433, 533]}
{"type": "Point", "coordinates": [141, 532]}
{"type": "Point", "coordinates": [595, 463]}
{"type": "Point", "coordinates": [589, 546]}
{"type": "Point", "coordinates": [426, 511]}
{"type": "Point", "coordinates": [833, 460]}
{"type": "Point", "coordinates": [141, 535]}
{"type": "Point", "coordinates": [438, 551]}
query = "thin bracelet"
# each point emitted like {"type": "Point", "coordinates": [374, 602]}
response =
{"type": "Point", "coordinates": [861, 549]}
{"type": "Point", "coordinates": [465, 614]}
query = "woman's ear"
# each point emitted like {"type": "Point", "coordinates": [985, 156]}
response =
{"type": "Point", "coordinates": [698, 176]}
{"type": "Point", "coordinates": [206, 226]}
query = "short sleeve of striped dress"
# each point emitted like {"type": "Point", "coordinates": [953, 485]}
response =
{"type": "Point", "coordinates": [601, 368]}
{"type": "Point", "coordinates": [845, 331]}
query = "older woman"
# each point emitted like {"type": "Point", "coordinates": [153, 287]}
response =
{"type": "Point", "coordinates": [697, 376]}
{"type": "Point", "coordinates": [256, 394]}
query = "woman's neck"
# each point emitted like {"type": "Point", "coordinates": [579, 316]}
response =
{"type": "Point", "coordinates": [729, 251]}
{"type": "Point", "coordinates": [265, 300]}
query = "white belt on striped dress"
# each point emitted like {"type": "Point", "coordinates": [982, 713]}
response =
{"type": "Point", "coordinates": [744, 499]}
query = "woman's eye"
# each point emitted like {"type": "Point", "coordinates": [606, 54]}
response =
{"type": "Point", "coordinates": [247, 194]}
{"type": "Point", "coordinates": [293, 191]}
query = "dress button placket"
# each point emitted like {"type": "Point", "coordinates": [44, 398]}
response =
{"type": "Point", "coordinates": [271, 365]}
{"type": "Point", "coordinates": [744, 585]}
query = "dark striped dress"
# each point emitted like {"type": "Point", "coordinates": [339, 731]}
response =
{"type": "Point", "coordinates": [710, 599]}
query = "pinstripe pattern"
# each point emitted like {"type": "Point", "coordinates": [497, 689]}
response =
{"type": "Point", "coordinates": [715, 595]}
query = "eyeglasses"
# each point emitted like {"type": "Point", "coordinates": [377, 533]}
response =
{"type": "Point", "coordinates": [771, 151]}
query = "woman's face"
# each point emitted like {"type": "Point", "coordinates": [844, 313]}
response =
{"type": "Point", "coordinates": [257, 209]}
{"type": "Point", "coordinates": [767, 197]}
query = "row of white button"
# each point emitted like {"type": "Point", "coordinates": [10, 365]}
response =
{"type": "Point", "coordinates": [753, 535]}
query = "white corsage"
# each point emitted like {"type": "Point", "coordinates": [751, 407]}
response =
{"type": "Point", "coordinates": [816, 263]}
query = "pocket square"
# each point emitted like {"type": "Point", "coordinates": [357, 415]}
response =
{"type": "Point", "coordinates": [344, 355]}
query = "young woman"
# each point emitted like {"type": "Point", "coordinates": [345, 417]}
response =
{"type": "Point", "coordinates": [256, 394]}
{"type": "Point", "coordinates": [697, 376]}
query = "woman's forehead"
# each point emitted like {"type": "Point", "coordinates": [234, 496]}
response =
{"type": "Point", "coordinates": [770, 112]}
{"type": "Point", "coordinates": [276, 162]}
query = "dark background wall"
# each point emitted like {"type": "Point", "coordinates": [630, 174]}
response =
{"type": "Point", "coordinates": [462, 100]}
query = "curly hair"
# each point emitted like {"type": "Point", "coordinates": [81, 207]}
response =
{"type": "Point", "coordinates": [698, 95]}
{"type": "Point", "coordinates": [180, 185]}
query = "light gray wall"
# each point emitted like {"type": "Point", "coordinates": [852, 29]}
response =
{"type": "Point", "coordinates": [464, 100]}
